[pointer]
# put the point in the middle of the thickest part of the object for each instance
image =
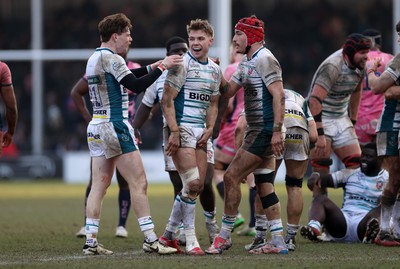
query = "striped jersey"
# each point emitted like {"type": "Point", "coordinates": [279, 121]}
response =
{"type": "Point", "coordinates": [390, 117]}
{"type": "Point", "coordinates": [109, 98]}
{"type": "Point", "coordinates": [153, 94]}
{"type": "Point", "coordinates": [297, 112]}
{"type": "Point", "coordinates": [339, 81]}
{"type": "Point", "coordinates": [195, 82]}
{"type": "Point", "coordinates": [255, 75]}
{"type": "Point", "coordinates": [361, 192]}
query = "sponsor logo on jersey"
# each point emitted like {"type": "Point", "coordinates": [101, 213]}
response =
{"type": "Point", "coordinates": [100, 112]}
{"type": "Point", "coordinates": [294, 136]}
{"type": "Point", "coordinates": [199, 96]}
{"type": "Point", "coordinates": [95, 136]}
{"type": "Point", "coordinates": [93, 79]}
{"type": "Point", "coordinates": [294, 112]}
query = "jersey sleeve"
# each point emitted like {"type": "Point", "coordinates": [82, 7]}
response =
{"type": "Point", "coordinates": [307, 111]}
{"type": "Point", "coordinates": [394, 69]}
{"type": "Point", "coordinates": [327, 76]}
{"type": "Point", "coordinates": [236, 77]}
{"type": "Point", "coordinates": [342, 176]}
{"type": "Point", "coordinates": [117, 67]}
{"type": "Point", "coordinates": [176, 77]}
{"type": "Point", "coordinates": [217, 83]}
{"type": "Point", "coordinates": [150, 96]}
{"type": "Point", "coordinates": [269, 70]}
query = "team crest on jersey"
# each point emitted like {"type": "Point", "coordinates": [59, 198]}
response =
{"type": "Point", "coordinates": [124, 137]}
{"type": "Point", "coordinates": [215, 76]}
{"type": "Point", "coordinates": [117, 65]}
{"type": "Point", "coordinates": [379, 185]}
{"type": "Point", "coordinates": [193, 64]}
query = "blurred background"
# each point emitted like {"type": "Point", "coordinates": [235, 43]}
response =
{"type": "Point", "coordinates": [46, 44]}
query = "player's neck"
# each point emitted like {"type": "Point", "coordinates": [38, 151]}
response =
{"type": "Point", "coordinates": [253, 49]}
{"type": "Point", "coordinates": [109, 45]}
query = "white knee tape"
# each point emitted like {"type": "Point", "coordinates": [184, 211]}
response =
{"type": "Point", "coordinates": [189, 175]}
{"type": "Point", "coordinates": [262, 171]}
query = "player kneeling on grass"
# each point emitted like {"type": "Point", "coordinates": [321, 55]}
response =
{"type": "Point", "coordinates": [357, 220]}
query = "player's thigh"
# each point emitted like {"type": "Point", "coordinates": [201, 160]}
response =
{"type": "Point", "coordinates": [296, 169]}
{"type": "Point", "coordinates": [348, 150]}
{"type": "Point", "coordinates": [242, 165]}
{"type": "Point", "coordinates": [184, 159]}
{"type": "Point", "coordinates": [102, 171]}
{"type": "Point", "coordinates": [130, 166]}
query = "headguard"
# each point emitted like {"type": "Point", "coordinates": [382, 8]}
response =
{"type": "Point", "coordinates": [355, 43]}
{"type": "Point", "coordinates": [253, 28]}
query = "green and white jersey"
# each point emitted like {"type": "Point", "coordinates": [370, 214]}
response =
{"type": "Point", "coordinates": [297, 112]}
{"type": "Point", "coordinates": [104, 71]}
{"type": "Point", "coordinates": [196, 82]}
{"type": "Point", "coordinates": [339, 81]}
{"type": "Point", "coordinates": [390, 116]}
{"type": "Point", "coordinates": [255, 75]}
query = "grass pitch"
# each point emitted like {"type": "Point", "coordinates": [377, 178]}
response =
{"type": "Point", "coordinates": [38, 222]}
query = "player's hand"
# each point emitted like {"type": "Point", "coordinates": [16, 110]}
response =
{"type": "Point", "coordinates": [277, 143]}
{"type": "Point", "coordinates": [154, 65]}
{"type": "Point", "coordinates": [215, 60]}
{"type": "Point", "coordinates": [320, 146]}
{"type": "Point", "coordinates": [172, 60]}
{"type": "Point", "coordinates": [138, 136]}
{"type": "Point", "coordinates": [204, 138]}
{"type": "Point", "coordinates": [373, 64]}
{"type": "Point", "coordinates": [314, 181]}
{"type": "Point", "coordinates": [6, 140]}
{"type": "Point", "coordinates": [173, 143]}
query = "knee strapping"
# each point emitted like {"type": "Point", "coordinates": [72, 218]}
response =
{"type": "Point", "coordinates": [263, 171]}
{"type": "Point", "coordinates": [187, 177]}
{"type": "Point", "coordinates": [352, 160]}
{"type": "Point", "coordinates": [269, 200]}
{"type": "Point", "coordinates": [293, 182]}
{"type": "Point", "coordinates": [264, 178]}
{"type": "Point", "coordinates": [321, 162]}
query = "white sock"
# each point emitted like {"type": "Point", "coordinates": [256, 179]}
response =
{"type": "Point", "coordinates": [92, 230]}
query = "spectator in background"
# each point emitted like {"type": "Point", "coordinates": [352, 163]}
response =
{"type": "Point", "coordinates": [8, 97]}
{"type": "Point", "coordinates": [371, 104]}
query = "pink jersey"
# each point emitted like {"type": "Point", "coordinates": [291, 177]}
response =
{"type": "Point", "coordinates": [132, 95]}
{"type": "Point", "coordinates": [371, 104]}
{"type": "Point", "coordinates": [5, 75]}
{"type": "Point", "coordinates": [226, 138]}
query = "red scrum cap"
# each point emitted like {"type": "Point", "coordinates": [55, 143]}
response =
{"type": "Point", "coordinates": [253, 28]}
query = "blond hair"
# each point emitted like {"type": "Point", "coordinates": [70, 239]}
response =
{"type": "Point", "coordinates": [199, 24]}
